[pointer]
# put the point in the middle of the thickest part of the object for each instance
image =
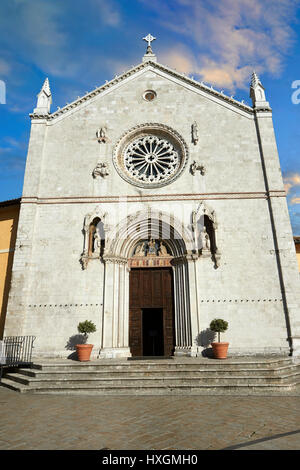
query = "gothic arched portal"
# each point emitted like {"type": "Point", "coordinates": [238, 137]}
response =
{"type": "Point", "coordinates": [119, 253]}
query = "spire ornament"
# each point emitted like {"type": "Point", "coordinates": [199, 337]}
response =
{"type": "Point", "coordinates": [149, 53]}
{"type": "Point", "coordinates": [44, 99]}
{"type": "Point", "coordinates": [257, 93]}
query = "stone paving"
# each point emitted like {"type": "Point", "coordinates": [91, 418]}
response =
{"type": "Point", "coordinates": [49, 422]}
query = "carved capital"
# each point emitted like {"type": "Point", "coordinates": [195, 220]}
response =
{"type": "Point", "coordinates": [111, 259]}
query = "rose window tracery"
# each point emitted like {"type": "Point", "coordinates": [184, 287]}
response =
{"type": "Point", "coordinates": [150, 155]}
{"type": "Point", "coordinates": [151, 159]}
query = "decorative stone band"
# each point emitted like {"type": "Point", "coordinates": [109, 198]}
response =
{"type": "Point", "coordinates": [153, 197]}
{"type": "Point", "coordinates": [38, 304]}
{"type": "Point", "coordinates": [114, 259]}
{"type": "Point", "coordinates": [154, 262]}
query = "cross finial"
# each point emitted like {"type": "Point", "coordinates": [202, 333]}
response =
{"type": "Point", "coordinates": [149, 38]}
{"type": "Point", "coordinates": [149, 56]}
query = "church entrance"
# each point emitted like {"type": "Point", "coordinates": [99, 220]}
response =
{"type": "Point", "coordinates": [153, 331]}
{"type": "Point", "coordinates": [151, 312]}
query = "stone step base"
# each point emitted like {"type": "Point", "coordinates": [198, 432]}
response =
{"type": "Point", "coordinates": [255, 389]}
{"type": "Point", "coordinates": [116, 372]}
{"type": "Point", "coordinates": [195, 377]}
{"type": "Point", "coordinates": [141, 381]}
{"type": "Point", "coordinates": [174, 364]}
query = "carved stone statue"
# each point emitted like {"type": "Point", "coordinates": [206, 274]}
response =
{"type": "Point", "coordinates": [101, 170]}
{"type": "Point", "coordinates": [162, 251]}
{"type": "Point", "coordinates": [195, 137]}
{"type": "Point", "coordinates": [97, 241]}
{"type": "Point", "coordinates": [101, 135]}
{"type": "Point", "coordinates": [197, 167]}
{"type": "Point", "coordinates": [151, 248]}
{"type": "Point", "coordinates": [205, 240]}
{"type": "Point", "coordinates": [140, 250]}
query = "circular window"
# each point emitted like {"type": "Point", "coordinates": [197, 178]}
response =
{"type": "Point", "coordinates": [149, 95]}
{"type": "Point", "coordinates": [151, 159]}
{"type": "Point", "coordinates": [150, 155]}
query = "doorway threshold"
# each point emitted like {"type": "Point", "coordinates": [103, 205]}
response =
{"type": "Point", "coordinates": [149, 358]}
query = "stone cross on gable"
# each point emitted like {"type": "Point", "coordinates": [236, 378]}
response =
{"type": "Point", "coordinates": [149, 56]}
{"type": "Point", "coordinates": [149, 38]}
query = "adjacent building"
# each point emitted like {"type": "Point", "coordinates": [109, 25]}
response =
{"type": "Point", "coordinates": [9, 216]}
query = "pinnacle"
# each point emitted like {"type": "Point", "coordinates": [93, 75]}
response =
{"type": "Point", "coordinates": [46, 87]}
{"type": "Point", "coordinates": [255, 79]}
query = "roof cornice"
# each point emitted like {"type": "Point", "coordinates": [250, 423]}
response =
{"type": "Point", "coordinates": [149, 64]}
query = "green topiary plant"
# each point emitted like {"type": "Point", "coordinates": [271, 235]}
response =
{"type": "Point", "coordinates": [86, 327]}
{"type": "Point", "coordinates": [219, 326]}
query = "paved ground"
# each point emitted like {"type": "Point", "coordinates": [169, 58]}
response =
{"type": "Point", "coordinates": [202, 422]}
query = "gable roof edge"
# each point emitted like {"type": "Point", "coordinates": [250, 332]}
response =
{"type": "Point", "coordinates": [119, 78]}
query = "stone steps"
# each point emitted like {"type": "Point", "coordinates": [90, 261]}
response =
{"type": "Point", "coordinates": [108, 365]}
{"type": "Point", "coordinates": [138, 381]}
{"type": "Point", "coordinates": [154, 372]}
{"type": "Point", "coordinates": [156, 378]}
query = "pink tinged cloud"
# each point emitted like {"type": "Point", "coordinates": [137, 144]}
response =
{"type": "Point", "coordinates": [232, 37]}
{"type": "Point", "coordinates": [295, 200]}
{"type": "Point", "coordinates": [292, 180]}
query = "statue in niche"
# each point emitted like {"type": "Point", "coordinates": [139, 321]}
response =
{"type": "Point", "coordinates": [97, 242]}
{"type": "Point", "coordinates": [205, 240]}
{"type": "Point", "coordinates": [140, 250]}
{"type": "Point", "coordinates": [151, 248]}
{"type": "Point", "coordinates": [162, 251]}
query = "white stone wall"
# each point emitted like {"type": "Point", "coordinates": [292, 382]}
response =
{"type": "Point", "coordinates": [51, 292]}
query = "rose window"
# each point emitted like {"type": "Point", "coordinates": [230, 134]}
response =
{"type": "Point", "coordinates": [151, 159]}
{"type": "Point", "coordinates": [150, 155]}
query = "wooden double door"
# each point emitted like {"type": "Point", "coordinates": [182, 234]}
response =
{"type": "Point", "coordinates": [151, 312]}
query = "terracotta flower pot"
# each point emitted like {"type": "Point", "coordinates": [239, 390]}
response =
{"type": "Point", "coordinates": [84, 351]}
{"type": "Point", "coordinates": [220, 350]}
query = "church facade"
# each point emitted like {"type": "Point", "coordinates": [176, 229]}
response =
{"type": "Point", "coordinates": [151, 206]}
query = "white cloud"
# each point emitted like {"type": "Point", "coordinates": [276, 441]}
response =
{"type": "Point", "coordinates": [230, 38]}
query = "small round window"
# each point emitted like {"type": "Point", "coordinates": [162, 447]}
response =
{"type": "Point", "coordinates": [149, 95]}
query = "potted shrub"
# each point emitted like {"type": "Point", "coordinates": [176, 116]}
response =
{"type": "Point", "coordinates": [84, 350]}
{"type": "Point", "coordinates": [219, 348]}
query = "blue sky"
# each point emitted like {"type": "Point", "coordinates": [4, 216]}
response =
{"type": "Point", "coordinates": [80, 44]}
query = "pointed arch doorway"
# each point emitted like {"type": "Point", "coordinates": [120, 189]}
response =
{"type": "Point", "coordinates": [132, 299]}
{"type": "Point", "coordinates": [151, 312]}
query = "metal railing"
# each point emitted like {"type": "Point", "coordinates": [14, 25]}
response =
{"type": "Point", "coordinates": [16, 351]}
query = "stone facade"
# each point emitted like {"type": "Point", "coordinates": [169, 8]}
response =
{"type": "Point", "coordinates": [228, 179]}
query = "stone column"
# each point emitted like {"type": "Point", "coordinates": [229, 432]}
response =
{"type": "Point", "coordinates": [193, 293]}
{"type": "Point", "coordinates": [115, 334]}
{"type": "Point", "coordinates": [183, 341]}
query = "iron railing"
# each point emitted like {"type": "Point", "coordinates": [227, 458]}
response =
{"type": "Point", "coordinates": [16, 351]}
